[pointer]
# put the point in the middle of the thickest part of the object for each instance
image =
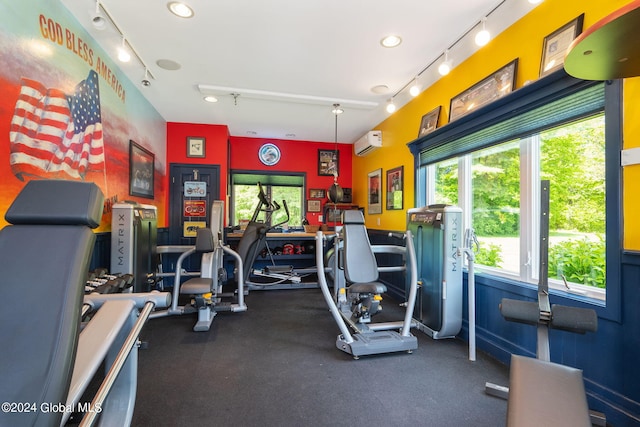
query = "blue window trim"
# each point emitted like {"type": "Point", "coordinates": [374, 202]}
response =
{"type": "Point", "coordinates": [527, 98]}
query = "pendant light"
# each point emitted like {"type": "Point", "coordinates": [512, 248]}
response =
{"type": "Point", "coordinates": [335, 192]}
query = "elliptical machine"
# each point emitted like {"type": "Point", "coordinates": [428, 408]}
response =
{"type": "Point", "coordinates": [254, 240]}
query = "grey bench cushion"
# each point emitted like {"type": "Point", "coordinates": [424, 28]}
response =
{"type": "Point", "coordinates": [545, 394]}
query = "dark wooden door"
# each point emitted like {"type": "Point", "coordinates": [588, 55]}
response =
{"type": "Point", "coordinates": [184, 205]}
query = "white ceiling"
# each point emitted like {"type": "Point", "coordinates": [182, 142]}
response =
{"type": "Point", "coordinates": [325, 50]}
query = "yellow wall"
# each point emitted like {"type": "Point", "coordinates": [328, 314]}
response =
{"type": "Point", "coordinates": [631, 174]}
{"type": "Point", "coordinates": [523, 40]}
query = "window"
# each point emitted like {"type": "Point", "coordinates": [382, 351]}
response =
{"type": "Point", "coordinates": [491, 164]}
{"type": "Point", "coordinates": [504, 181]}
{"type": "Point", "coordinates": [495, 189]}
{"type": "Point", "coordinates": [244, 196]}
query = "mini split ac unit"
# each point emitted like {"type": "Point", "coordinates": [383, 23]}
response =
{"type": "Point", "coordinates": [369, 142]}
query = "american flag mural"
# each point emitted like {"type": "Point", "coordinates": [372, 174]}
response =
{"type": "Point", "coordinates": [56, 135]}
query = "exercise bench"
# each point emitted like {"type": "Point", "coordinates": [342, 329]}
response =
{"type": "Point", "coordinates": [48, 359]}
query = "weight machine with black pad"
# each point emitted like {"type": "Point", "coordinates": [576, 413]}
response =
{"type": "Point", "coordinates": [48, 360]}
{"type": "Point", "coordinates": [541, 392]}
{"type": "Point", "coordinates": [357, 291]}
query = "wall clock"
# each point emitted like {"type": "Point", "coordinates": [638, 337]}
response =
{"type": "Point", "coordinates": [269, 154]}
{"type": "Point", "coordinates": [195, 147]}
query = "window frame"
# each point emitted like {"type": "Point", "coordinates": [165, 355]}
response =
{"type": "Point", "coordinates": [544, 91]}
{"type": "Point", "coordinates": [265, 177]}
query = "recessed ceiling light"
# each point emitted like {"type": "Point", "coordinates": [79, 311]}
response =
{"type": "Point", "coordinates": [168, 64]}
{"type": "Point", "coordinates": [210, 98]}
{"type": "Point", "coordinates": [391, 41]}
{"type": "Point", "coordinates": [180, 9]}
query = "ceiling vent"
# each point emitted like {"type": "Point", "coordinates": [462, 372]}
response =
{"type": "Point", "coordinates": [369, 142]}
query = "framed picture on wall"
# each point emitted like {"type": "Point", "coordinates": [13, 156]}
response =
{"type": "Point", "coordinates": [317, 193]}
{"type": "Point", "coordinates": [141, 171]}
{"type": "Point", "coordinates": [555, 45]}
{"type": "Point", "coordinates": [495, 86]}
{"type": "Point", "coordinates": [314, 206]}
{"type": "Point", "coordinates": [395, 187]}
{"type": "Point", "coordinates": [429, 122]}
{"type": "Point", "coordinates": [374, 192]}
{"type": "Point", "coordinates": [196, 146]}
{"type": "Point", "coordinates": [328, 162]}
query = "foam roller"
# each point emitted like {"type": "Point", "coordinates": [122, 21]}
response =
{"type": "Point", "coordinates": [520, 311]}
{"type": "Point", "coordinates": [573, 319]}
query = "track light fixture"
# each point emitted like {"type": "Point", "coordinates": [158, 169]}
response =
{"type": "Point", "coordinates": [98, 20]}
{"type": "Point", "coordinates": [123, 52]}
{"type": "Point", "coordinates": [391, 107]}
{"type": "Point", "coordinates": [414, 90]}
{"type": "Point", "coordinates": [145, 81]}
{"type": "Point", "coordinates": [483, 36]}
{"type": "Point", "coordinates": [445, 67]}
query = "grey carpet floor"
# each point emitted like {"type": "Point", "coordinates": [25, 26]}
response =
{"type": "Point", "coordinates": [277, 365]}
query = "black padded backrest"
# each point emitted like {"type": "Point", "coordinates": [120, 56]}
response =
{"type": "Point", "coordinates": [360, 264]}
{"type": "Point", "coordinates": [43, 269]}
{"type": "Point", "coordinates": [57, 202]}
{"type": "Point", "coordinates": [250, 244]}
{"type": "Point", "coordinates": [204, 240]}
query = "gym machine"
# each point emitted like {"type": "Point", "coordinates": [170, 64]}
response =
{"type": "Point", "coordinates": [205, 290]}
{"type": "Point", "coordinates": [542, 392]}
{"type": "Point", "coordinates": [357, 295]}
{"type": "Point", "coordinates": [437, 236]}
{"type": "Point", "coordinates": [48, 358]}
{"type": "Point", "coordinates": [254, 240]}
{"type": "Point", "coordinates": [134, 235]}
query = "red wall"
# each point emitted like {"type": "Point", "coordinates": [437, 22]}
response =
{"type": "Point", "coordinates": [296, 156]}
{"type": "Point", "coordinates": [216, 150]}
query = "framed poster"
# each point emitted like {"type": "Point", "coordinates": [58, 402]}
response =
{"type": "Point", "coordinates": [196, 146]}
{"type": "Point", "coordinates": [555, 45]}
{"type": "Point", "coordinates": [495, 86]}
{"type": "Point", "coordinates": [395, 186]}
{"type": "Point", "coordinates": [195, 189]}
{"type": "Point", "coordinates": [374, 186]}
{"type": "Point", "coordinates": [314, 206]}
{"type": "Point", "coordinates": [141, 171]}
{"type": "Point", "coordinates": [317, 193]}
{"type": "Point", "coordinates": [190, 228]}
{"type": "Point", "coordinates": [429, 122]}
{"type": "Point", "coordinates": [195, 208]}
{"type": "Point", "coordinates": [328, 162]}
